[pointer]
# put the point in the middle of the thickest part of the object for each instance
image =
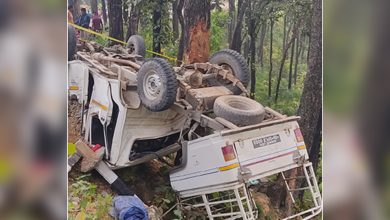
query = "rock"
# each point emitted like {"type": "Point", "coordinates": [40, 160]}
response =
{"type": "Point", "coordinates": [88, 163]}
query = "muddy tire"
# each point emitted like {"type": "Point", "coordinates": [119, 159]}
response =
{"type": "Point", "coordinates": [239, 110]}
{"type": "Point", "coordinates": [156, 84]}
{"type": "Point", "coordinates": [71, 42]}
{"type": "Point", "coordinates": [232, 60]}
{"type": "Point", "coordinates": [136, 45]}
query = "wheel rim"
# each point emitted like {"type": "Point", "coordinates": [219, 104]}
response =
{"type": "Point", "coordinates": [131, 48]}
{"type": "Point", "coordinates": [152, 85]}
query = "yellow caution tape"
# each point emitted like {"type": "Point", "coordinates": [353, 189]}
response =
{"type": "Point", "coordinates": [116, 40]}
{"type": "Point", "coordinates": [302, 147]}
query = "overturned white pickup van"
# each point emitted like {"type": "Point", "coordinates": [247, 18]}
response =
{"type": "Point", "coordinates": [141, 110]}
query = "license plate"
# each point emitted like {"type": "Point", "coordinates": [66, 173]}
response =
{"type": "Point", "coordinates": [262, 142]}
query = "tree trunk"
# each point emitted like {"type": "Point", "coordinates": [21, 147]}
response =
{"type": "Point", "coordinates": [261, 44]}
{"type": "Point", "coordinates": [252, 48]}
{"type": "Point", "coordinates": [132, 22]}
{"type": "Point", "coordinates": [232, 19]}
{"type": "Point", "coordinates": [282, 65]}
{"type": "Point", "coordinates": [298, 49]}
{"type": "Point", "coordinates": [271, 38]}
{"type": "Point", "coordinates": [246, 47]}
{"type": "Point", "coordinates": [125, 12]}
{"type": "Point", "coordinates": [310, 106]}
{"type": "Point", "coordinates": [303, 46]}
{"type": "Point", "coordinates": [308, 50]}
{"type": "Point", "coordinates": [236, 40]}
{"type": "Point", "coordinates": [115, 19]}
{"type": "Point", "coordinates": [196, 30]}
{"type": "Point", "coordinates": [157, 29]}
{"type": "Point", "coordinates": [175, 20]}
{"type": "Point", "coordinates": [284, 31]}
{"type": "Point", "coordinates": [311, 100]}
{"type": "Point", "coordinates": [104, 11]}
{"type": "Point", "coordinates": [76, 9]}
{"type": "Point", "coordinates": [290, 74]}
{"type": "Point", "coordinates": [94, 6]}
{"type": "Point", "coordinates": [180, 16]}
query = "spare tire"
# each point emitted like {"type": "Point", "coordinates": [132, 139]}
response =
{"type": "Point", "coordinates": [156, 84]}
{"type": "Point", "coordinates": [239, 110]}
{"type": "Point", "coordinates": [136, 45]}
{"type": "Point", "coordinates": [71, 42]}
{"type": "Point", "coordinates": [233, 61]}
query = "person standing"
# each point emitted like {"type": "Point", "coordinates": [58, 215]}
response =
{"type": "Point", "coordinates": [84, 19]}
{"type": "Point", "coordinates": [97, 23]}
{"type": "Point", "coordinates": [70, 14]}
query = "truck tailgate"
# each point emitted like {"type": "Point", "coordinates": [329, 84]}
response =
{"type": "Point", "coordinates": [268, 150]}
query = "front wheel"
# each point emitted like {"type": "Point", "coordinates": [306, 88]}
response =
{"type": "Point", "coordinates": [156, 84]}
{"type": "Point", "coordinates": [136, 45]}
{"type": "Point", "coordinates": [235, 62]}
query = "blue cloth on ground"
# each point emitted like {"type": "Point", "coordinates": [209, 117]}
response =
{"type": "Point", "coordinates": [130, 208]}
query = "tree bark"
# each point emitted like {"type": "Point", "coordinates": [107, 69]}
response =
{"type": "Point", "coordinates": [311, 100]}
{"type": "Point", "coordinates": [125, 12]}
{"type": "Point", "coordinates": [104, 11]}
{"type": "Point", "coordinates": [196, 30]}
{"type": "Point", "coordinates": [157, 29]}
{"type": "Point", "coordinates": [132, 22]}
{"type": "Point", "coordinates": [284, 31]}
{"type": "Point", "coordinates": [180, 16]}
{"type": "Point", "coordinates": [115, 19]}
{"type": "Point", "coordinates": [236, 40]}
{"type": "Point", "coordinates": [232, 19]}
{"type": "Point", "coordinates": [252, 48]}
{"type": "Point", "coordinates": [298, 49]}
{"type": "Point", "coordinates": [76, 9]}
{"type": "Point", "coordinates": [271, 38]}
{"type": "Point", "coordinates": [261, 44]}
{"type": "Point", "coordinates": [175, 20]}
{"type": "Point", "coordinates": [290, 74]}
{"type": "Point", "coordinates": [282, 65]}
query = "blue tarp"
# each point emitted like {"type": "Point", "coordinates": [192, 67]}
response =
{"type": "Point", "coordinates": [130, 208]}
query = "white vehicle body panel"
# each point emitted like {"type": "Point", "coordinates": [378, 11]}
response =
{"type": "Point", "coordinates": [78, 80]}
{"type": "Point", "coordinates": [131, 124]}
{"type": "Point", "coordinates": [206, 165]}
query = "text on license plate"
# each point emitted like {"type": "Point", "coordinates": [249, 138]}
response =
{"type": "Point", "coordinates": [262, 142]}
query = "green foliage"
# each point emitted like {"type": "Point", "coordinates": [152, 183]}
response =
{"type": "Point", "coordinates": [218, 33]}
{"type": "Point", "coordinates": [85, 200]}
{"type": "Point", "coordinates": [288, 102]}
{"type": "Point", "coordinates": [169, 45]}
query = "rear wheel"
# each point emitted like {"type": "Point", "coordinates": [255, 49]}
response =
{"type": "Point", "coordinates": [136, 45]}
{"type": "Point", "coordinates": [239, 110]}
{"type": "Point", "coordinates": [156, 84]}
{"type": "Point", "coordinates": [233, 61]}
